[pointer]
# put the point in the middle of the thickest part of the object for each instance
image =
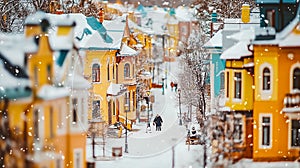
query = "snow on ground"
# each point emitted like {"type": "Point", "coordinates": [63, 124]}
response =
{"type": "Point", "coordinates": [166, 148]}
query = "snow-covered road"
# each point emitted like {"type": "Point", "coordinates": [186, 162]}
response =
{"type": "Point", "coordinates": [158, 149]}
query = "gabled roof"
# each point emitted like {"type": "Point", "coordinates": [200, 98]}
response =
{"type": "Point", "coordinates": [215, 41]}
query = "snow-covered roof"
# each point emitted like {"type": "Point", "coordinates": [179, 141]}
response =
{"type": "Point", "coordinates": [13, 87]}
{"type": "Point", "coordinates": [292, 40]}
{"type": "Point", "coordinates": [77, 81]}
{"type": "Point", "coordinates": [14, 47]}
{"type": "Point", "coordinates": [237, 51]}
{"type": "Point", "coordinates": [133, 25]}
{"type": "Point", "coordinates": [286, 37]}
{"type": "Point", "coordinates": [215, 41]}
{"type": "Point", "coordinates": [49, 92]}
{"type": "Point", "coordinates": [237, 24]}
{"type": "Point", "coordinates": [184, 14]}
{"type": "Point", "coordinates": [104, 36]}
{"type": "Point", "coordinates": [36, 18]}
{"type": "Point", "coordinates": [115, 89]}
{"type": "Point", "coordinates": [245, 34]}
{"type": "Point", "coordinates": [158, 17]}
{"type": "Point", "coordinates": [127, 51]}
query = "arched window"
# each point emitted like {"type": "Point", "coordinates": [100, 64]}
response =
{"type": "Point", "coordinates": [96, 73]}
{"type": "Point", "coordinates": [296, 78]}
{"type": "Point", "coordinates": [266, 79]}
{"type": "Point", "coordinates": [126, 70]}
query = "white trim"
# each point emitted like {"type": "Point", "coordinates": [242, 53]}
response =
{"type": "Point", "coordinates": [293, 116]}
{"type": "Point", "coordinates": [261, 115]}
{"type": "Point", "coordinates": [296, 65]}
{"type": "Point", "coordinates": [265, 94]}
{"type": "Point", "coordinates": [78, 151]}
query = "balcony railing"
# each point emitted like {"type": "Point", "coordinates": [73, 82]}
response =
{"type": "Point", "coordinates": [291, 102]}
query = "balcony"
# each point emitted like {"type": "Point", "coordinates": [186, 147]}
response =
{"type": "Point", "coordinates": [291, 103]}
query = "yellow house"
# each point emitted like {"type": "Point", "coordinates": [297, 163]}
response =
{"type": "Point", "coordinates": [126, 59]}
{"type": "Point", "coordinates": [101, 67]}
{"type": "Point", "coordinates": [238, 110]}
{"type": "Point", "coordinates": [53, 140]}
{"type": "Point", "coordinates": [276, 107]}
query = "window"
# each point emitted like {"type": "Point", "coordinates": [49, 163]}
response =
{"type": "Point", "coordinates": [222, 80]}
{"type": "Point", "coordinates": [96, 73]}
{"type": "Point", "coordinates": [108, 73]}
{"type": "Point", "coordinates": [36, 123]}
{"type": "Point", "coordinates": [237, 85]}
{"type": "Point", "coordinates": [51, 123]}
{"type": "Point", "coordinates": [114, 108]}
{"type": "Point", "coordinates": [96, 109]}
{"type": "Point", "coordinates": [296, 78]}
{"type": "Point", "coordinates": [126, 70]}
{"type": "Point", "coordinates": [238, 129]}
{"type": "Point", "coordinates": [74, 111]}
{"type": "Point", "coordinates": [295, 133]}
{"type": "Point", "coordinates": [266, 130]}
{"type": "Point", "coordinates": [271, 18]}
{"type": "Point", "coordinates": [266, 79]}
{"type": "Point", "coordinates": [227, 84]}
{"type": "Point", "coordinates": [48, 72]}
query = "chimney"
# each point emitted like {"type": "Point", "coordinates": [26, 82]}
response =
{"type": "Point", "coordinates": [101, 15]}
{"type": "Point", "coordinates": [245, 13]}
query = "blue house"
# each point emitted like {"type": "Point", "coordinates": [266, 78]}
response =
{"type": "Point", "coordinates": [215, 45]}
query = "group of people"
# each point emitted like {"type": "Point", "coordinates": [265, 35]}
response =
{"type": "Point", "coordinates": [173, 85]}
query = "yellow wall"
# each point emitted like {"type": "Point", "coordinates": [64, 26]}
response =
{"type": "Point", "coordinates": [273, 104]}
{"type": "Point", "coordinates": [246, 101]}
{"type": "Point", "coordinates": [99, 89]}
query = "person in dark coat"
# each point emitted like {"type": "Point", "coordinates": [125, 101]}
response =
{"type": "Point", "coordinates": [158, 122]}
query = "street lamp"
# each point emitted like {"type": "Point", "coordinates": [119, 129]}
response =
{"type": "Point", "coordinates": [127, 106]}
{"type": "Point", "coordinates": [147, 98]}
{"type": "Point", "coordinates": [179, 92]}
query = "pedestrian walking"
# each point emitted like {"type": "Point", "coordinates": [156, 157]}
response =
{"type": "Point", "coordinates": [158, 122]}
{"type": "Point", "coordinates": [175, 85]}
{"type": "Point", "coordinates": [172, 85]}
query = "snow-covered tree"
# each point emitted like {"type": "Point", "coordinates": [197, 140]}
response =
{"type": "Point", "coordinates": [194, 76]}
{"type": "Point", "coordinates": [224, 8]}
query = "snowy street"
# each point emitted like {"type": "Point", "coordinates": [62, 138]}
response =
{"type": "Point", "coordinates": [154, 149]}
